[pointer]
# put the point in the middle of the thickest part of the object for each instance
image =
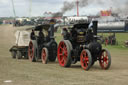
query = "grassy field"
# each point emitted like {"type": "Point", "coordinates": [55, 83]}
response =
{"type": "Point", "coordinates": [24, 72]}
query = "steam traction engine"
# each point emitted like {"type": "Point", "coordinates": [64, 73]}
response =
{"type": "Point", "coordinates": [80, 44]}
{"type": "Point", "coordinates": [43, 47]}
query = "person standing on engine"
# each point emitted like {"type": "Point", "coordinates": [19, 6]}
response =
{"type": "Point", "coordinates": [41, 36]}
{"type": "Point", "coordinates": [64, 33]}
{"type": "Point", "coordinates": [32, 35]}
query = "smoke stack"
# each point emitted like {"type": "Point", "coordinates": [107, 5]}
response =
{"type": "Point", "coordinates": [77, 3]}
{"type": "Point", "coordinates": [95, 27]}
{"type": "Point", "coordinates": [51, 29]}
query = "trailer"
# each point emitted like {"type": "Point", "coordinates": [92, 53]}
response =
{"type": "Point", "coordinates": [19, 52]}
{"type": "Point", "coordinates": [20, 49]}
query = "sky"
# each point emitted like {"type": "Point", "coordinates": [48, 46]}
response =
{"type": "Point", "coordinates": [38, 7]}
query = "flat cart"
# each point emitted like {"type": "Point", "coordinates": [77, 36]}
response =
{"type": "Point", "coordinates": [20, 49]}
{"type": "Point", "coordinates": [19, 52]}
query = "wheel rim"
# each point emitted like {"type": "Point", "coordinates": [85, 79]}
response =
{"type": "Point", "coordinates": [84, 59]}
{"type": "Point", "coordinates": [44, 56]}
{"type": "Point", "coordinates": [104, 61]}
{"type": "Point", "coordinates": [62, 53]}
{"type": "Point", "coordinates": [31, 51]}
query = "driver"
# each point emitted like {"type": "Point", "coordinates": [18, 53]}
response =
{"type": "Point", "coordinates": [41, 36]}
{"type": "Point", "coordinates": [32, 35]}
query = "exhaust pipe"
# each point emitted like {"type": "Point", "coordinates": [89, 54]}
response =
{"type": "Point", "coordinates": [51, 31]}
{"type": "Point", "coordinates": [95, 25]}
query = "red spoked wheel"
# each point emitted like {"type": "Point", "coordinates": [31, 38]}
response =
{"type": "Point", "coordinates": [31, 51]}
{"type": "Point", "coordinates": [105, 59]}
{"type": "Point", "coordinates": [44, 55]}
{"type": "Point", "coordinates": [64, 54]}
{"type": "Point", "coordinates": [85, 59]}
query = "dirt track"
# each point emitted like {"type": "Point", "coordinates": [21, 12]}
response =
{"type": "Point", "coordinates": [24, 72]}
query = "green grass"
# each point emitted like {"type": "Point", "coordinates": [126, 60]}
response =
{"type": "Point", "coordinates": [24, 72]}
{"type": "Point", "coordinates": [58, 36]}
{"type": "Point", "coordinates": [121, 38]}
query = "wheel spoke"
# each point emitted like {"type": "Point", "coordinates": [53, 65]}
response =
{"type": "Point", "coordinates": [86, 58]}
{"type": "Point", "coordinates": [82, 58]}
{"type": "Point", "coordinates": [86, 64]}
{"type": "Point", "coordinates": [106, 57]}
{"type": "Point", "coordinates": [65, 49]}
{"type": "Point", "coordinates": [65, 58]}
{"type": "Point", "coordinates": [61, 48]}
{"type": "Point", "coordinates": [62, 60]}
{"type": "Point", "coordinates": [106, 62]}
{"type": "Point", "coordinates": [66, 54]}
{"type": "Point", "coordinates": [60, 54]}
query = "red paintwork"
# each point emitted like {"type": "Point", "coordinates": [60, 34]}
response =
{"type": "Point", "coordinates": [31, 51]}
{"type": "Point", "coordinates": [43, 56]}
{"type": "Point", "coordinates": [84, 59]}
{"type": "Point", "coordinates": [104, 60]}
{"type": "Point", "coordinates": [62, 53]}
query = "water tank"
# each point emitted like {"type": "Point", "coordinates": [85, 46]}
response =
{"type": "Point", "coordinates": [111, 26]}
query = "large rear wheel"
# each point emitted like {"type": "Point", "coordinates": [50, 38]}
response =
{"type": "Point", "coordinates": [85, 59]}
{"type": "Point", "coordinates": [105, 59]}
{"type": "Point", "coordinates": [74, 60]}
{"type": "Point", "coordinates": [64, 54]}
{"type": "Point", "coordinates": [44, 55]}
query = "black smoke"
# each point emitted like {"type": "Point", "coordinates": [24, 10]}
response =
{"type": "Point", "coordinates": [117, 6]}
